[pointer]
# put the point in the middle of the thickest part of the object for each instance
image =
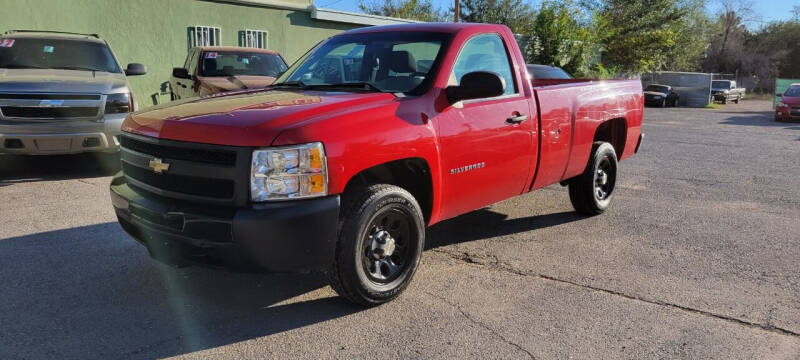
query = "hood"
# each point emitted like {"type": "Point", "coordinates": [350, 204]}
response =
{"type": "Point", "coordinates": [236, 82]}
{"type": "Point", "coordinates": [654, 93]}
{"type": "Point", "coordinates": [60, 81]}
{"type": "Point", "coordinates": [245, 118]}
{"type": "Point", "coordinates": [791, 100]}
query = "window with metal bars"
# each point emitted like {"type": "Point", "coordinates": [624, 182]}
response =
{"type": "Point", "coordinates": [254, 38]}
{"type": "Point", "coordinates": [204, 36]}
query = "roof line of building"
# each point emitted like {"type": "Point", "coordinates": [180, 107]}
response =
{"type": "Point", "coordinates": [324, 14]}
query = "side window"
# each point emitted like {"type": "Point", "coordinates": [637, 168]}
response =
{"type": "Point", "coordinates": [485, 52]}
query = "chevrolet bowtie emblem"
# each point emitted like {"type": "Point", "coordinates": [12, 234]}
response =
{"type": "Point", "coordinates": [158, 166]}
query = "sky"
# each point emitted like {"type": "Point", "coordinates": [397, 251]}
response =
{"type": "Point", "coordinates": [768, 10]}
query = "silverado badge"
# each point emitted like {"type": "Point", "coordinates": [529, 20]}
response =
{"type": "Point", "coordinates": [158, 166]}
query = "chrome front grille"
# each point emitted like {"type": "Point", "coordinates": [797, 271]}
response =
{"type": "Point", "coordinates": [48, 106]}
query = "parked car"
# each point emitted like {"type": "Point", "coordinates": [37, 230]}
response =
{"type": "Point", "coordinates": [789, 106]}
{"type": "Point", "coordinates": [345, 176]}
{"type": "Point", "coordinates": [660, 95]}
{"type": "Point", "coordinates": [61, 93]}
{"type": "Point", "coordinates": [538, 71]}
{"type": "Point", "coordinates": [214, 69]}
{"type": "Point", "coordinates": [725, 91]}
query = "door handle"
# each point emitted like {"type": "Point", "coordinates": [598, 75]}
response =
{"type": "Point", "coordinates": [517, 119]}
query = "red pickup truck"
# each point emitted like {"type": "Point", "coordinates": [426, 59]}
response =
{"type": "Point", "coordinates": [370, 137]}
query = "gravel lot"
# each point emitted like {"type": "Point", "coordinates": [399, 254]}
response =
{"type": "Point", "coordinates": [698, 257]}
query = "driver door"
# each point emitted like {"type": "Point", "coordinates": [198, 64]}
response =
{"type": "Point", "coordinates": [485, 157]}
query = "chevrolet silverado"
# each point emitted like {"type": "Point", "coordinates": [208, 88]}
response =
{"type": "Point", "coordinates": [366, 140]}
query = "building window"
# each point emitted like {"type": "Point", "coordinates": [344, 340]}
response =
{"type": "Point", "coordinates": [204, 36]}
{"type": "Point", "coordinates": [254, 39]}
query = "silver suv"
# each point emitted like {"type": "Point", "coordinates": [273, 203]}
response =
{"type": "Point", "coordinates": [61, 93]}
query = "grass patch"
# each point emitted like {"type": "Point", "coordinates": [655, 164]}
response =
{"type": "Point", "coordinates": [713, 106]}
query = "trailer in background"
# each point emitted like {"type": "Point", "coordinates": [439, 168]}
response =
{"type": "Point", "coordinates": [693, 88]}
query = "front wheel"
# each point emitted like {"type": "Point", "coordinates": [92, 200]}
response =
{"type": "Point", "coordinates": [381, 238]}
{"type": "Point", "coordinates": [591, 192]}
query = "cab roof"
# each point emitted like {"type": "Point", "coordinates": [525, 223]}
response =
{"type": "Point", "coordinates": [426, 27]}
{"type": "Point", "coordinates": [43, 34]}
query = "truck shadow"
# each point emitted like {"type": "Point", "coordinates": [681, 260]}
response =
{"type": "Point", "coordinates": [93, 290]}
{"type": "Point", "coordinates": [23, 168]}
{"type": "Point", "coordinates": [485, 224]}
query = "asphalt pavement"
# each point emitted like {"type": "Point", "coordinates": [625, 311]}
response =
{"type": "Point", "coordinates": [698, 257]}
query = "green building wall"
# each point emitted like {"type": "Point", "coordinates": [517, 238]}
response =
{"type": "Point", "coordinates": [155, 32]}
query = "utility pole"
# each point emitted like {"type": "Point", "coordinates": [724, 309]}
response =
{"type": "Point", "coordinates": [457, 11]}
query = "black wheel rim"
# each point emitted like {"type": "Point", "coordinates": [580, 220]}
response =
{"type": "Point", "coordinates": [386, 249]}
{"type": "Point", "coordinates": [604, 179]}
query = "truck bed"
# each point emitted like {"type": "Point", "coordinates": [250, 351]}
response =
{"type": "Point", "coordinates": [569, 113]}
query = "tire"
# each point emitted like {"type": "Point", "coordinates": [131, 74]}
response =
{"type": "Point", "coordinates": [725, 100]}
{"type": "Point", "coordinates": [372, 218]}
{"type": "Point", "coordinates": [675, 102]}
{"type": "Point", "coordinates": [172, 96]}
{"type": "Point", "coordinates": [737, 100]}
{"type": "Point", "coordinates": [664, 103]}
{"type": "Point", "coordinates": [583, 190]}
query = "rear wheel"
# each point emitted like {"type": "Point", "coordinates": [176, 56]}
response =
{"type": "Point", "coordinates": [737, 100]}
{"type": "Point", "coordinates": [591, 192]}
{"type": "Point", "coordinates": [381, 238]}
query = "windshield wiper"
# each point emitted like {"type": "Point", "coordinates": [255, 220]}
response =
{"type": "Point", "coordinates": [20, 66]}
{"type": "Point", "coordinates": [77, 68]}
{"type": "Point", "coordinates": [296, 83]}
{"type": "Point", "coordinates": [358, 85]}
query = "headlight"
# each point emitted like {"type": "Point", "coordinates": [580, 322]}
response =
{"type": "Point", "coordinates": [727, 91]}
{"type": "Point", "coordinates": [291, 172]}
{"type": "Point", "coordinates": [118, 103]}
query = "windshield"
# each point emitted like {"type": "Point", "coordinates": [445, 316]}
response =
{"type": "Point", "coordinates": [56, 54]}
{"type": "Point", "coordinates": [547, 72]}
{"type": "Point", "coordinates": [656, 88]}
{"type": "Point", "coordinates": [721, 84]}
{"type": "Point", "coordinates": [399, 62]}
{"type": "Point", "coordinates": [793, 91]}
{"type": "Point", "coordinates": [228, 63]}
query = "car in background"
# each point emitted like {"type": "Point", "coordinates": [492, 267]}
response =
{"type": "Point", "coordinates": [725, 91]}
{"type": "Point", "coordinates": [537, 71]}
{"type": "Point", "coordinates": [61, 93]}
{"type": "Point", "coordinates": [660, 95]}
{"type": "Point", "coordinates": [789, 106]}
{"type": "Point", "coordinates": [215, 69]}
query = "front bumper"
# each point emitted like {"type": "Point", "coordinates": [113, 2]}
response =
{"type": "Point", "coordinates": [62, 138]}
{"type": "Point", "coordinates": [787, 115]}
{"type": "Point", "coordinates": [281, 237]}
{"type": "Point", "coordinates": [653, 102]}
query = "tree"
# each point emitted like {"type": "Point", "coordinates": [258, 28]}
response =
{"type": "Point", "coordinates": [559, 36]}
{"type": "Point", "coordinates": [731, 21]}
{"type": "Point", "coordinates": [516, 14]}
{"type": "Point", "coordinates": [647, 35]}
{"type": "Point", "coordinates": [421, 10]}
{"type": "Point", "coordinates": [796, 13]}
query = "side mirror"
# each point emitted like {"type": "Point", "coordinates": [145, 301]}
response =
{"type": "Point", "coordinates": [135, 69]}
{"type": "Point", "coordinates": [181, 73]}
{"type": "Point", "coordinates": [476, 85]}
